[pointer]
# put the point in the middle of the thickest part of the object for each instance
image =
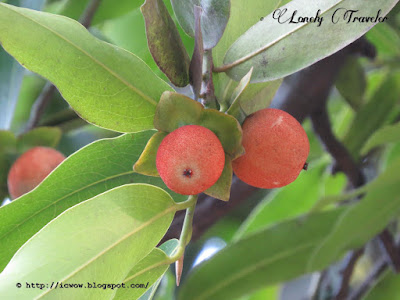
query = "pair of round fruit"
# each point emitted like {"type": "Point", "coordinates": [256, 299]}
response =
{"type": "Point", "coordinates": [191, 158]}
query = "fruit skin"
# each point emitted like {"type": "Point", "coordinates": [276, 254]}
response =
{"type": "Point", "coordinates": [276, 148]}
{"type": "Point", "coordinates": [31, 168]}
{"type": "Point", "coordinates": [190, 159]}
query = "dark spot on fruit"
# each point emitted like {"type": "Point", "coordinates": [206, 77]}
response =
{"type": "Point", "coordinates": [305, 167]}
{"type": "Point", "coordinates": [188, 173]}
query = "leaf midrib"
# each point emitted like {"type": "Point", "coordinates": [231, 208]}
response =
{"type": "Point", "coordinates": [134, 89]}
{"type": "Point", "coordinates": [256, 265]}
{"type": "Point", "coordinates": [66, 196]}
{"type": "Point", "coordinates": [262, 49]}
{"type": "Point", "coordinates": [112, 246]}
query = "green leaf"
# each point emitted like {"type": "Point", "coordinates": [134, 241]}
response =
{"type": "Point", "coordinates": [107, 9]}
{"type": "Point", "coordinates": [285, 203]}
{"type": "Point", "coordinates": [222, 188]}
{"type": "Point", "coordinates": [106, 85]}
{"type": "Point", "coordinates": [226, 128]}
{"type": "Point", "coordinates": [351, 82]}
{"type": "Point", "coordinates": [165, 43]}
{"type": "Point", "coordinates": [146, 163]}
{"type": "Point", "coordinates": [385, 39]}
{"type": "Point", "coordinates": [94, 169]}
{"type": "Point", "coordinates": [122, 227]}
{"type": "Point", "coordinates": [387, 134]}
{"type": "Point", "coordinates": [258, 96]}
{"type": "Point", "coordinates": [237, 25]}
{"type": "Point", "coordinates": [8, 141]}
{"type": "Point", "coordinates": [214, 18]}
{"type": "Point", "coordinates": [374, 114]}
{"type": "Point", "coordinates": [40, 136]}
{"type": "Point", "coordinates": [386, 288]}
{"type": "Point", "coordinates": [264, 258]}
{"type": "Point", "coordinates": [149, 270]}
{"type": "Point", "coordinates": [175, 110]}
{"type": "Point", "coordinates": [235, 110]}
{"type": "Point", "coordinates": [292, 248]}
{"type": "Point", "coordinates": [276, 50]}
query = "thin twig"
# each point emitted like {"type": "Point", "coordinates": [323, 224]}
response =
{"type": "Point", "coordinates": [390, 250]}
{"type": "Point", "coordinates": [342, 157]}
{"type": "Point", "coordinates": [347, 272]}
{"type": "Point", "coordinates": [88, 14]}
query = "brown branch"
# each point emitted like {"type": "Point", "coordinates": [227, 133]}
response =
{"type": "Point", "coordinates": [342, 157]}
{"type": "Point", "coordinates": [88, 14]}
{"type": "Point", "coordinates": [347, 272]}
{"type": "Point", "coordinates": [390, 250]}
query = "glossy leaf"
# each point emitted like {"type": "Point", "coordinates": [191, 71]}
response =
{"type": "Point", "coordinates": [146, 163]}
{"type": "Point", "coordinates": [374, 114]}
{"type": "Point", "coordinates": [40, 136]}
{"type": "Point", "coordinates": [107, 9]}
{"type": "Point", "coordinates": [351, 82]}
{"type": "Point", "coordinates": [289, 249]}
{"type": "Point", "coordinates": [387, 134]}
{"type": "Point", "coordinates": [213, 20]}
{"type": "Point", "coordinates": [164, 42]}
{"type": "Point", "coordinates": [94, 169]}
{"type": "Point", "coordinates": [134, 218]}
{"type": "Point", "coordinates": [148, 271]}
{"type": "Point", "coordinates": [276, 50]}
{"type": "Point", "coordinates": [106, 85]}
{"type": "Point", "coordinates": [222, 188]}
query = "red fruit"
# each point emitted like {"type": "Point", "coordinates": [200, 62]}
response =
{"type": "Point", "coordinates": [276, 148]}
{"type": "Point", "coordinates": [31, 168]}
{"type": "Point", "coordinates": [190, 159]}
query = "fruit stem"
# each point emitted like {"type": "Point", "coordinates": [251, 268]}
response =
{"type": "Point", "coordinates": [186, 233]}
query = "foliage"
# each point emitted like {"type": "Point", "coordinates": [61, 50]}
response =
{"type": "Point", "coordinates": [146, 68]}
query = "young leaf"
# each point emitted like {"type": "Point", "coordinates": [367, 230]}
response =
{"type": "Point", "coordinates": [351, 83]}
{"type": "Point", "coordinates": [385, 39]}
{"type": "Point", "coordinates": [387, 134]}
{"type": "Point", "coordinates": [40, 136]}
{"type": "Point", "coordinates": [213, 20]}
{"type": "Point", "coordinates": [235, 110]}
{"type": "Point", "coordinates": [149, 270]}
{"type": "Point", "coordinates": [165, 43]}
{"type": "Point", "coordinates": [222, 188]}
{"type": "Point", "coordinates": [175, 110]}
{"type": "Point", "coordinates": [106, 85]}
{"type": "Point", "coordinates": [134, 218]}
{"type": "Point", "coordinates": [276, 50]}
{"type": "Point", "coordinates": [146, 163]}
{"type": "Point", "coordinates": [94, 169]}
